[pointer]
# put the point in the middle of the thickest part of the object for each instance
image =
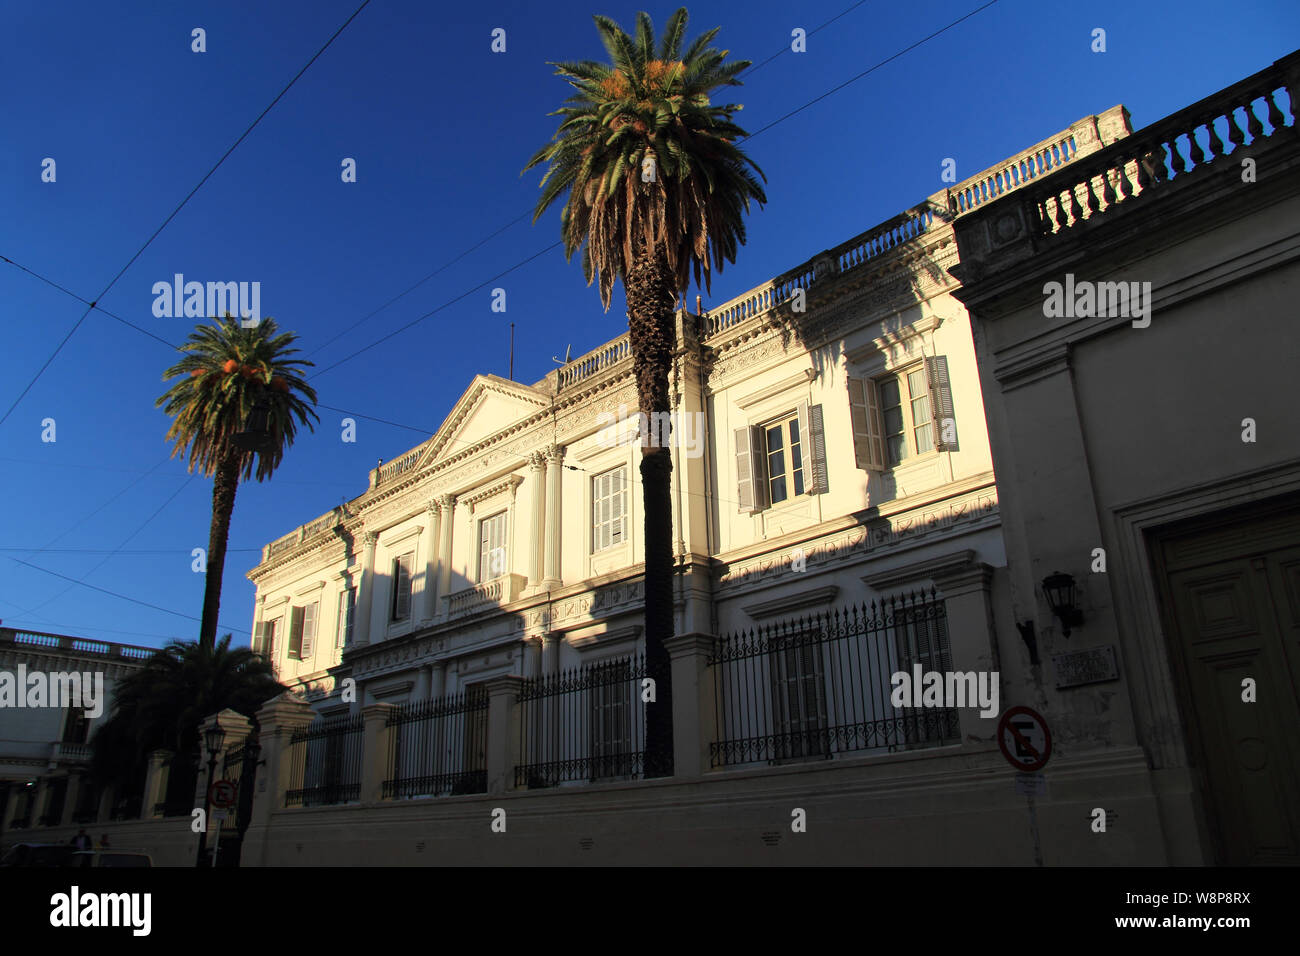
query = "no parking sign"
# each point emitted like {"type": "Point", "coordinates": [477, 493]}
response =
{"type": "Point", "coordinates": [1024, 739]}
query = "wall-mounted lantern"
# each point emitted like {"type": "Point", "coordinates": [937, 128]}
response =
{"type": "Point", "coordinates": [1062, 598]}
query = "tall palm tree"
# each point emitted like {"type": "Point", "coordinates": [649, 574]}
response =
{"type": "Point", "coordinates": [226, 372]}
{"type": "Point", "coordinates": [656, 192]}
{"type": "Point", "coordinates": [162, 704]}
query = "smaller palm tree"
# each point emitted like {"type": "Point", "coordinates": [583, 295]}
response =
{"type": "Point", "coordinates": [161, 706]}
{"type": "Point", "coordinates": [227, 372]}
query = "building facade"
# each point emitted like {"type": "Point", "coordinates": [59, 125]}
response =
{"type": "Point", "coordinates": [477, 613]}
{"type": "Point", "coordinates": [1146, 443]}
{"type": "Point", "coordinates": [44, 750]}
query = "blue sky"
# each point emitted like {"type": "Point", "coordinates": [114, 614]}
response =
{"type": "Point", "coordinates": [440, 127]}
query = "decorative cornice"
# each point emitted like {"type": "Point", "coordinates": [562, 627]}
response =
{"type": "Point", "coordinates": [510, 484]}
{"type": "Point", "coordinates": [396, 539]}
{"type": "Point", "coordinates": [882, 533]}
{"type": "Point", "coordinates": [930, 568]}
{"type": "Point", "coordinates": [606, 639]}
{"type": "Point", "coordinates": [893, 331]}
{"type": "Point", "coordinates": [791, 381]}
{"type": "Point", "coordinates": [791, 602]}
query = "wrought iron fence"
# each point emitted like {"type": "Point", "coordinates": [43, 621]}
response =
{"type": "Point", "coordinates": [232, 766]}
{"type": "Point", "coordinates": [818, 685]}
{"type": "Point", "coordinates": [438, 747]}
{"type": "Point", "coordinates": [325, 762]}
{"type": "Point", "coordinates": [584, 724]}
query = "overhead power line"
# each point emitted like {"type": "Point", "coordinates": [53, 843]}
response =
{"type": "Point", "coordinates": [190, 195]}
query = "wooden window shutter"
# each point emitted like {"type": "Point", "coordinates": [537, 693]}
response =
{"type": "Point", "coordinates": [812, 438]}
{"type": "Point", "coordinates": [745, 478]}
{"type": "Point", "coordinates": [868, 429]}
{"type": "Point", "coordinates": [259, 635]}
{"type": "Point", "coordinates": [945, 424]}
{"type": "Point", "coordinates": [309, 631]}
{"type": "Point", "coordinates": [341, 635]}
{"type": "Point", "coordinates": [295, 634]}
{"type": "Point", "coordinates": [402, 582]}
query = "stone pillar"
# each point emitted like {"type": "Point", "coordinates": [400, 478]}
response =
{"type": "Point", "coordinates": [431, 559]}
{"type": "Point", "coordinates": [106, 800]}
{"type": "Point", "coordinates": [971, 640]}
{"type": "Point", "coordinates": [237, 728]}
{"type": "Point", "coordinates": [70, 797]}
{"type": "Point", "coordinates": [374, 751]}
{"type": "Point", "coordinates": [532, 662]}
{"type": "Point", "coordinates": [39, 796]}
{"type": "Point", "coordinates": [365, 595]}
{"type": "Point", "coordinates": [278, 719]}
{"type": "Point", "coordinates": [537, 479]}
{"type": "Point", "coordinates": [550, 653]}
{"type": "Point", "coordinates": [693, 703]}
{"type": "Point", "coordinates": [155, 782]}
{"type": "Point", "coordinates": [502, 732]}
{"type": "Point", "coordinates": [554, 532]}
{"type": "Point", "coordinates": [438, 679]}
{"type": "Point", "coordinates": [17, 797]}
{"type": "Point", "coordinates": [421, 691]}
{"type": "Point", "coordinates": [448, 505]}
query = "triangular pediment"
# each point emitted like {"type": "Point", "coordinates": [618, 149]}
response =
{"type": "Point", "coordinates": [491, 404]}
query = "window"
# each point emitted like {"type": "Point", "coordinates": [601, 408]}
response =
{"type": "Point", "coordinates": [400, 609]}
{"type": "Point", "coordinates": [612, 750]}
{"type": "Point", "coordinates": [264, 642]}
{"type": "Point", "coordinates": [782, 459]}
{"type": "Point", "coordinates": [905, 410]}
{"type": "Point", "coordinates": [798, 696]}
{"type": "Point", "coordinates": [492, 547]}
{"type": "Point", "coordinates": [347, 616]}
{"type": "Point", "coordinates": [608, 509]}
{"type": "Point", "coordinates": [784, 462]}
{"type": "Point", "coordinates": [76, 726]}
{"type": "Point", "coordinates": [896, 417]}
{"type": "Point", "coordinates": [921, 637]}
{"type": "Point", "coordinates": [302, 633]}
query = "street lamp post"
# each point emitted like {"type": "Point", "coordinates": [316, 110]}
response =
{"type": "Point", "coordinates": [213, 738]}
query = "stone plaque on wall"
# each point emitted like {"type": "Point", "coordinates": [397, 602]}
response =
{"type": "Point", "coordinates": [1092, 665]}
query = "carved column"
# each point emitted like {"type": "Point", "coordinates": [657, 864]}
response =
{"type": "Point", "coordinates": [361, 627]}
{"type": "Point", "coordinates": [537, 479]}
{"type": "Point", "coordinates": [431, 561]}
{"type": "Point", "coordinates": [554, 532]}
{"type": "Point", "coordinates": [447, 503]}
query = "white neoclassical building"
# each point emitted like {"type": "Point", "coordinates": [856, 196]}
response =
{"type": "Point", "coordinates": [477, 613]}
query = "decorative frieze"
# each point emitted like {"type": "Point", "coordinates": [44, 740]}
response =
{"type": "Point", "coordinates": [852, 543]}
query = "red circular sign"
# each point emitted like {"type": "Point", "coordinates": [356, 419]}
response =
{"type": "Point", "coordinates": [1024, 739]}
{"type": "Point", "coordinates": [222, 793]}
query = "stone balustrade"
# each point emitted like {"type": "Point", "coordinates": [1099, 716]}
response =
{"type": "Point", "coordinates": [597, 360]}
{"type": "Point", "coordinates": [74, 645]}
{"type": "Point", "coordinates": [1012, 174]}
{"type": "Point", "coordinates": [397, 466]}
{"type": "Point", "coordinates": [496, 592]}
{"type": "Point", "coordinates": [1180, 144]}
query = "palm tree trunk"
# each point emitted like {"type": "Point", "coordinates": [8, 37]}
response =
{"type": "Point", "coordinates": [653, 334]}
{"type": "Point", "coordinates": [224, 485]}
